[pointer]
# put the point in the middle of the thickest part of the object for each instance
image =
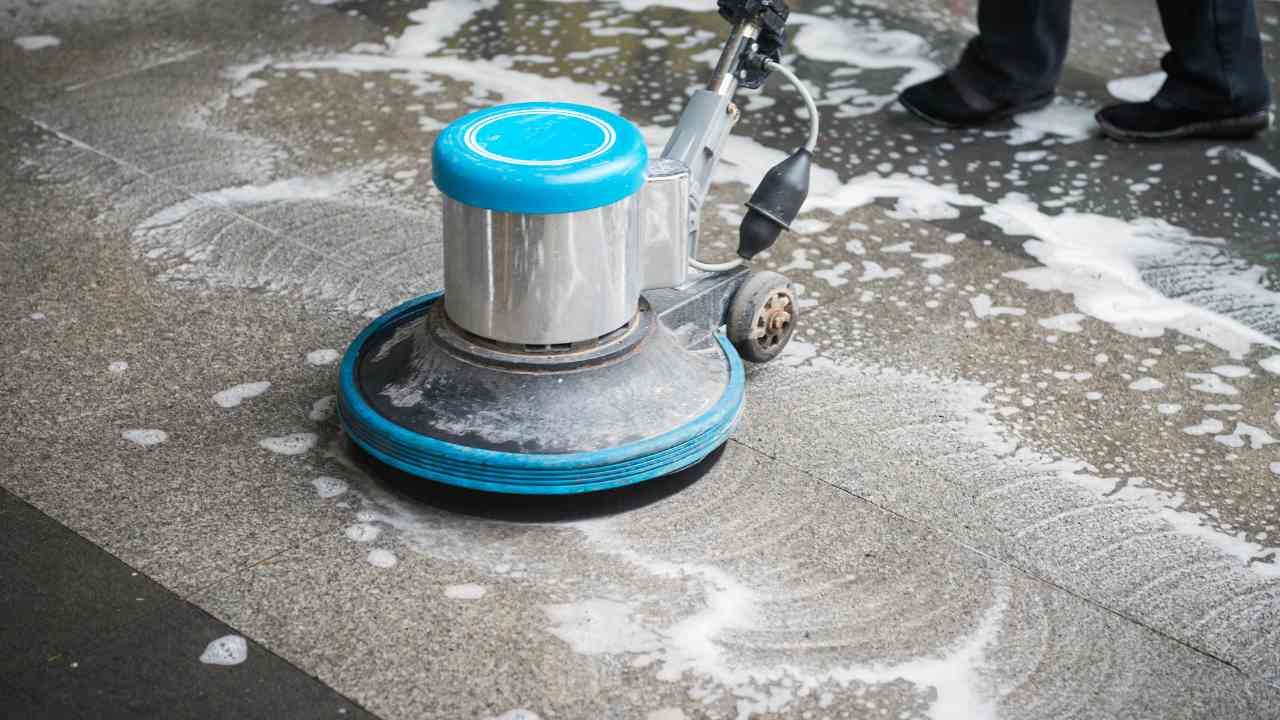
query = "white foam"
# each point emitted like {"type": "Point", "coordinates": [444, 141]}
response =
{"type": "Point", "coordinates": [36, 42]}
{"type": "Point", "coordinates": [1064, 120]}
{"type": "Point", "coordinates": [1146, 384]}
{"type": "Point", "coordinates": [836, 275]}
{"type": "Point", "coordinates": [693, 6]}
{"type": "Point", "coordinates": [233, 396]}
{"type": "Point", "coordinates": [1205, 427]}
{"type": "Point", "coordinates": [488, 75]}
{"type": "Point", "coordinates": [1270, 364]}
{"type": "Point", "coordinates": [1168, 408]}
{"type": "Point", "coordinates": [1224, 407]}
{"type": "Point", "coordinates": [520, 713]}
{"type": "Point", "coordinates": [1210, 383]}
{"type": "Point", "coordinates": [668, 713]}
{"type": "Point", "coordinates": [37, 316]}
{"type": "Point", "coordinates": [873, 271]}
{"type": "Point", "coordinates": [799, 261]}
{"type": "Point", "coordinates": [145, 438]}
{"type": "Point", "coordinates": [329, 487]}
{"type": "Point", "coordinates": [593, 53]}
{"type": "Point", "coordinates": [983, 307]}
{"type": "Point", "coordinates": [327, 356]}
{"type": "Point", "coordinates": [1256, 437]}
{"type": "Point", "coordinates": [809, 226]}
{"type": "Point", "coordinates": [226, 650]}
{"type": "Point", "coordinates": [1067, 322]}
{"type": "Point", "coordinates": [1275, 468]}
{"type": "Point", "coordinates": [363, 532]}
{"type": "Point", "coordinates": [1232, 371]}
{"type": "Point", "coordinates": [293, 444]}
{"type": "Point", "coordinates": [468, 591]}
{"type": "Point", "coordinates": [1257, 163]}
{"type": "Point", "coordinates": [933, 261]}
{"type": "Point", "coordinates": [118, 367]}
{"type": "Point", "coordinates": [1097, 259]}
{"type": "Point", "coordinates": [849, 42]}
{"type": "Point", "coordinates": [692, 644]}
{"type": "Point", "coordinates": [289, 190]}
{"type": "Point", "coordinates": [1140, 88]}
{"type": "Point", "coordinates": [379, 557]}
{"type": "Point", "coordinates": [434, 24]}
{"type": "Point", "coordinates": [322, 409]}
{"type": "Point", "coordinates": [916, 199]}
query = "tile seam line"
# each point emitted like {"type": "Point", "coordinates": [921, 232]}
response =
{"type": "Point", "coordinates": [1014, 567]}
{"type": "Point", "coordinates": [249, 565]}
{"type": "Point", "coordinates": [184, 600]}
{"type": "Point", "coordinates": [193, 196]}
{"type": "Point", "coordinates": [135, 71]}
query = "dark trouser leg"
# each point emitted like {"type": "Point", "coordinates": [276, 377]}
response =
{"type": "Point", "coordinates": [1019, 52]}
{"type": "Point", "coordinates": [1215, 65]}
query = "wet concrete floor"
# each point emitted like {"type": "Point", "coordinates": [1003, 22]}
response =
{"type": "Point", "coordinates": [1022, 459]}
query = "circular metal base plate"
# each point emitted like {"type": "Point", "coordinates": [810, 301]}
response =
{"type": "Point", "coordinates": [420, 405]}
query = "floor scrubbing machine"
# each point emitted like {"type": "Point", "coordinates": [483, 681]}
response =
{"type": "Point", "coordinates": [578, 344]}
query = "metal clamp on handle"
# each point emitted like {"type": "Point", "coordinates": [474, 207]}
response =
{"type": "Point", "coordinates": [769, 18]}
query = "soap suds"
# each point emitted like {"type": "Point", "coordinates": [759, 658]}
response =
{"type": "Point", "coordinates": [1245, 434]}
{"type": "Point", "coordinates": [145, 438]}
{"type": "Point", "coordinates": [31, 43]}
{"type": "Point", "coordinates": [1205, 427]}
{"type": "Point", "coordinates": [435, 23]}
{"type": "Point", "coordinates": [468, 591]}
{"type": "Point", "coordinates": [118, 367]}
{"type": "Point", "coordinates": [329, 487]}
{"type": "Point", "coordinates": [1211, 383]}
{"type": "Point", "coordinates": [1062, 119]}
{"type": "Point", "coordinates": [983, 307]}
{"type": "Point", "coordinates": [381, 558]}
{"type": "Point", "coordinates": [1136, 89]}
{"type": "Point", "coordinates": [362, 532]}
{"type": "Point", "coordinates": [1257, 163]}
{"type": "Point", "coordinates": [1146, 384]}
{"type": "Point", "coordinates": [1100, 261]}
{"type": "Point", "coordinates": [1068, 323]}
{"type": "Point", "coordinates": [233, 396]}
{"type": "Point", "coordinates": [326, 356]}
{"type": "Point", "coordinates": [322, 409]}
{"type": "Point", "coordinates": [294, 444]}
{"type": "Point", "coordinates": [226, 650]}
{"type": "Point", "coordinates": [518, 714]}
{"type": "Point", "coordinates": [1232, 371]}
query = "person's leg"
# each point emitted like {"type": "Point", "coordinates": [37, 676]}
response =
{"type": "Point", "coordinates": [1011, 67]}
{"type": "Point", "coordinates": [1216, 85]}
{"type": "Point", "coordinates": [1215, 64]}
{"type": "Point", "coordinates": [1019, 51]}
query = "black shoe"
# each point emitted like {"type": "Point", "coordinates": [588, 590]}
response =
{"type": "Point", "coordinates": [942, 102]}
{"type": "Point", "coordinates": [1153, 121]}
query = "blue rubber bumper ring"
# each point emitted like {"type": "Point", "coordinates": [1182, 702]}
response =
{"type": "Point", "coordinates": [531, 473]}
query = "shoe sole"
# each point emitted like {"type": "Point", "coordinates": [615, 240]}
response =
{"type": "Point", "coordinates": [994, 117]}
{"type": "Point", "coordinates": [1236, 128]}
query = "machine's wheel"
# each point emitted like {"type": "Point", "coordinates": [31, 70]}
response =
{"type": "Point", "coordinates": [762, 316]}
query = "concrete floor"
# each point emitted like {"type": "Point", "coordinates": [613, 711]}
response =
{"type": "Point", "coordinates": [997, 475]}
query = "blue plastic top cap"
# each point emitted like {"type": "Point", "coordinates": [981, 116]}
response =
{"type": "Point", "coordinates": [539, 158]}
